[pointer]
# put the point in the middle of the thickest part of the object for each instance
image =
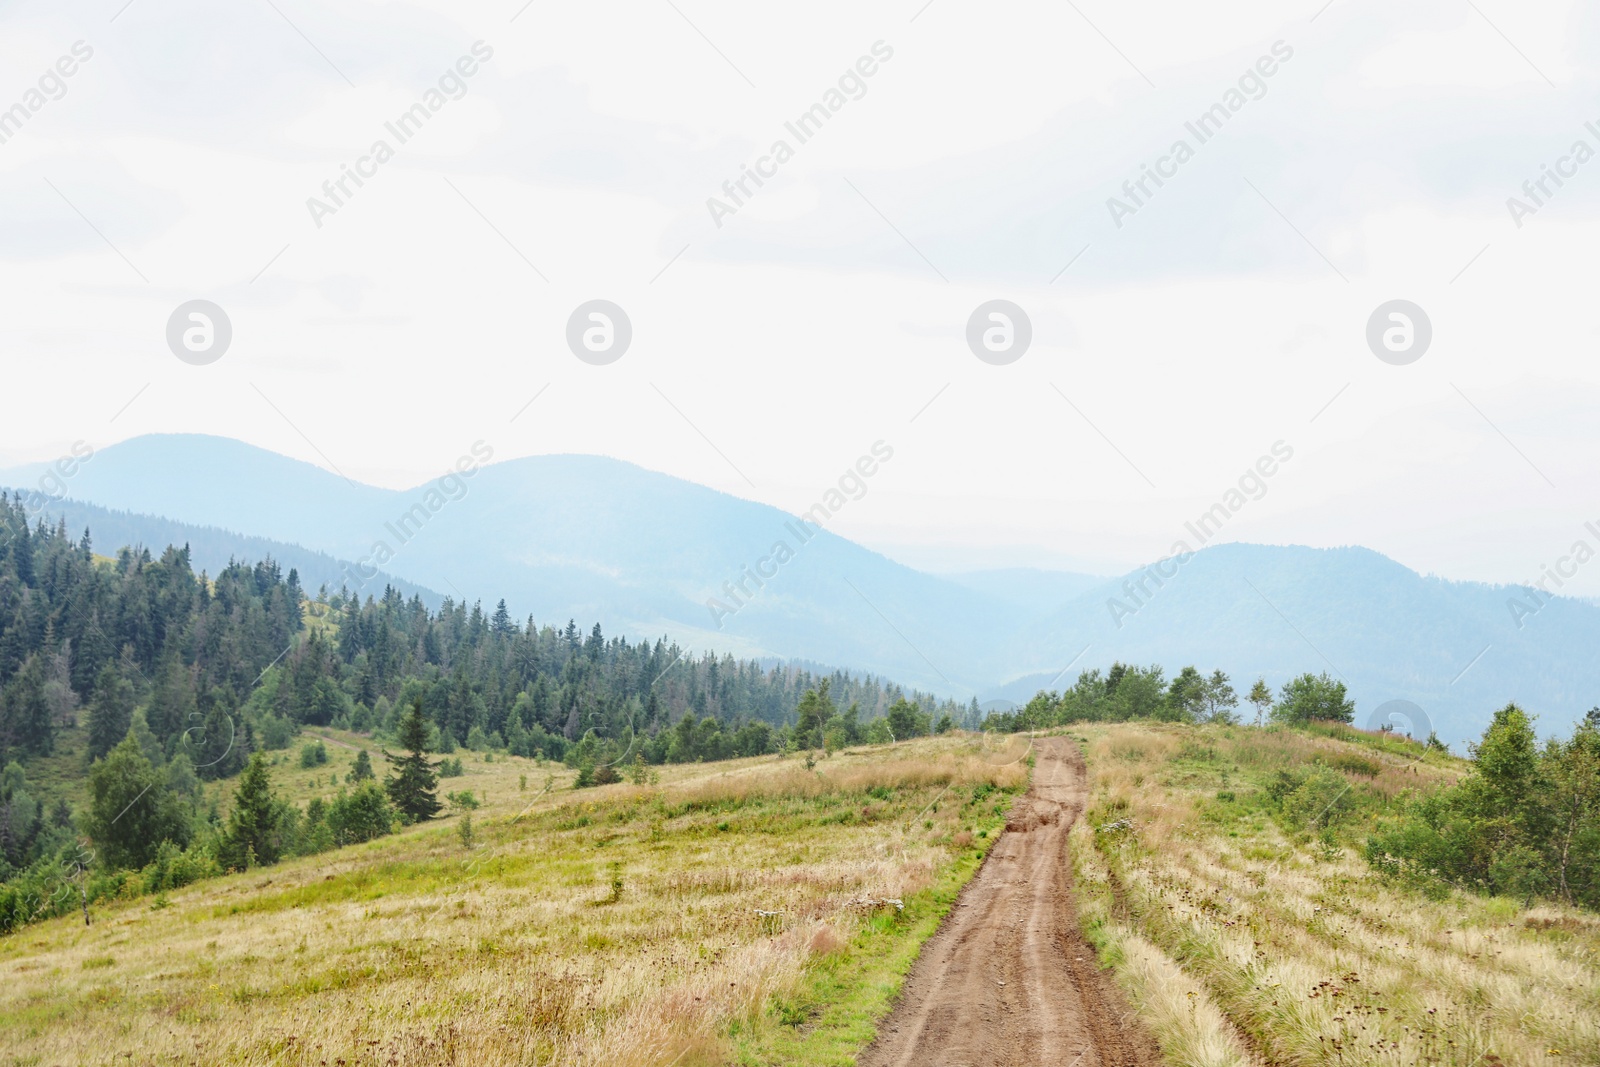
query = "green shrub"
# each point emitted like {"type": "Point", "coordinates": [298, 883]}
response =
{"type": "Point", "coordinates": [1351, 763]}
{"type": "Point", "coordinates": [1524, 824]}
{"type": "Point", "coordinates": [174, 868]}
{"type": "Point", "coordinates": [1322, 799]}
{"type": "Point", "coordinates": [275, 731]}
{"type": "Point", "coordinates": [361, 815]}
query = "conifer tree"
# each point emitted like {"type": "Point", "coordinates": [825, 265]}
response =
{"type": "Point", "coordinates": [110, 711]}
{"type": "Point", "coordinates": [414, 785]}
{"type": "Point", "coordinates": [252, 836]}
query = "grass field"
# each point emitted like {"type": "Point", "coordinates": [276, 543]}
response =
{"type": "Point", "coordinates": [1245, 939]}
{"type": "Point", "coordinates": [735, 912]}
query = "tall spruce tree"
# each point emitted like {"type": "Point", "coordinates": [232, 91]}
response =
{"type": "Point", "coordinates": [110, 711]}
{"type": "Point", "coordinates": [414, 785]}
{"type": "Point", "coordinates": [252, 836]}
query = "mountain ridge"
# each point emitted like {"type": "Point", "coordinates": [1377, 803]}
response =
{"type": "Point", "coordinates": [575, 535]}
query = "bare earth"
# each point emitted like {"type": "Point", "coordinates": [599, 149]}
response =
{"type": "Point", "coordinates": [1009, 978]}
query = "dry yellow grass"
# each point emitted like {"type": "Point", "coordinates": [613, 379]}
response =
{"type": "Point", "coordinates": [1294, 950]}
{"type": "Point", "coordinates": [621, 925]}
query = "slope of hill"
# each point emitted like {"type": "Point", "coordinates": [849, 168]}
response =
{"type": "Point", "coordinates": [590, 537]}
{"type": "Point", "coordinates": [1220, 869]}
{"type": "Point", "coordinates": [696, 920]}
{"type": "Point", "coordinates": [756, 911]}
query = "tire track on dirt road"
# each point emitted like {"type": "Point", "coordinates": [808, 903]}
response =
{"type": "Point", "coordinates": [1009, 978]}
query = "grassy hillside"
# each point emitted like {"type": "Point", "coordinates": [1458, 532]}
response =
{"type": "Point", "coordinates": [61, 774]}
{"type": "Point", "coordinates": [1233, 900]}
{"type": "Point", "coordinates": [737, 911]}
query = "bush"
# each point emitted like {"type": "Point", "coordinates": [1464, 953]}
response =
{"type": "Point", "coordinates": [361, 815]}
{"type": "Point", "coordinates": [1322, 799]}
{"type": "Point", "coordinates": [313, 754]}
{"type": "Point", "coordinates": [174, 868]}
{"type": "Point", "coordinates": [1525, 823]}
{"type": "Point", "coordinates": [275, 731]}
{"type": "Point", "coordinates": [451, 768]}
{"type": "Point", "coordinates": [1351, 763]}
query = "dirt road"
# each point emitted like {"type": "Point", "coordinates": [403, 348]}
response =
{"type": "Point", "coordinates": [1009, 978]}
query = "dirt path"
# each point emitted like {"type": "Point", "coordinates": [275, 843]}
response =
{"type": "Point", "coordinates": [331, 741]}
{"type": "Point", "coordinates": [1009, 978]}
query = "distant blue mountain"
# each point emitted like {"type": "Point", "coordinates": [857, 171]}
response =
{"type": "Point", "coordinates": [1453, 648]}
{"type": "Point", "coordinates": [586, 537]}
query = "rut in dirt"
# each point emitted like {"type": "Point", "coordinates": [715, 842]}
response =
{"type": "Point", "coordinates": [1009, 978]}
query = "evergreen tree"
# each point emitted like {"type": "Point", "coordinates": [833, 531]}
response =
{"type": "Point", "coordinates": [142, 735]}
{"type": "Point", "coordinates": [25, 722]}
{"type": "Point", "coordinates": [110, 711]}
{"type": "Point", "coordinates": [414, 786]}
{"type": "Point", "coordinates": [362, 770]}
{"type": "Point", "coordinates": [213, 741]}
{"type": "Point", "coordinates": [815, 709]}
{"type": "Point", "coordinates": [252, 837]}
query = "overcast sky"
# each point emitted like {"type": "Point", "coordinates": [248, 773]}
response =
{"type": "Point", "coordinates": [1175, 339]}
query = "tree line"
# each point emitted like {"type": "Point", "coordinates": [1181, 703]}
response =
{"type": "Point", "coordinates": [1127, 693]}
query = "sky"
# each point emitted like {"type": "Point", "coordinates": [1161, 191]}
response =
{"type": "Point", "coordinates": [1357, 155]}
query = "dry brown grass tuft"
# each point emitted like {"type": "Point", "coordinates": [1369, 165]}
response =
{"type": "Point", "coordinates": [825, 940]}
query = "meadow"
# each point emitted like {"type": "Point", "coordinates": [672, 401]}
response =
{"type": "Point", "coordinates": [1247, 928]}
{"type": "Point", "coordinates": [750, 911]}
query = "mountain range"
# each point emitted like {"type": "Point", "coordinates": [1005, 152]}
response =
{"type": "Point", "coordinates": [647, 554]}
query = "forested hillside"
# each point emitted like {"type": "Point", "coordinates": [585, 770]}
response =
{"type": "Point", "coordinates": [94, 639]}
{"type": "Point", "coordinates": [163, 678]}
